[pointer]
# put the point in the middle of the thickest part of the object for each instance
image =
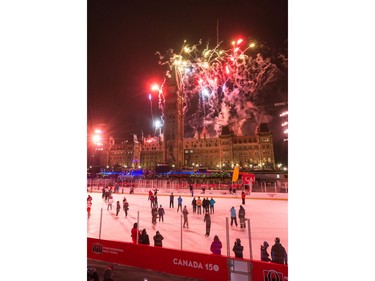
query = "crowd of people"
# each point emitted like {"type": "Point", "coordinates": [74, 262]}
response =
{"type": "Point", "coordinates": [278, 252]}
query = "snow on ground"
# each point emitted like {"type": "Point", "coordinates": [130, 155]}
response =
{"type": "Point", "coordinates": [268, 219]}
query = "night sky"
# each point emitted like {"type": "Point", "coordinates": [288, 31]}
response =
{"type": "Point", "coordinates": [123, 37]}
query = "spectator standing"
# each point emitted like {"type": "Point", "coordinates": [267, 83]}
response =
{"type": "Point", "coordinates": [207, 219]}
{"type": "Point", "coordinates": [108, 274]}
{"type": "Point", "coordinates": [241, 216]}
{"type": "Point", "coordinates": [199, 205]}
{"type": "Point", "coordinates": [233, 217]}
{"type": "Point", "coordinates": [144, 239]}
{"type": "Point", "coordinates": [216, 246]}
{"type": "Point", "coordinates": [92, 274]}
{"type": "Point", "coordinates": [158, 238]}
{"type": "Point", "coordinates": [185, 213]}
{"type": "Point", "coordinates": [118, 207]}
{"type": "Point", "coordinates": [238, 249]}
{"type": "Point", "coordinates": [243, 197]}
{"type": "Point", "coordinates": [135, 233]}
{"type": "Point", "coordinates": [171, 200]}
{"type": "Point", "coordinates": [264, 256]}
{"type": "Point", "coordinates": [212, 205]}
{"type": "Point", "coordinates": [278, 253]}
{"type": "Point", "coordinates": [161, 213]}
{"type": "Point", "coordinates": [179, 203]}
{"type": "Point", "coordinates": [194, 204]}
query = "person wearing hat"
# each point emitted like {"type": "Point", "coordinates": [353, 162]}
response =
{"type": "Point", "coordinates": [158, 239]}
{"type": "Point", "coordinates": [264, 256]}
{"type": "Point", "coordinates": [278, 253]}
{"type": "Point", "coordinates": [108, 273]}
{"type": "Point", "coordinates": [238, 249]}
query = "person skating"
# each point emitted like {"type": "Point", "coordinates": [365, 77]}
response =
{"type": "Point", "coordinates": [144, 239]}
{"type": "Point", "coordinates": [241, 216]}
{"type": "Point", "coordinates": [179, 203]}
{"type": "Point", "coordinates": [194, 204]}
{"type": "Point", "coordinates": [125, 206]}
{"type": "Point", "coordinates": [161, 213]}
{"type": "Point", "coordinates": [185, 213]}
{"type": "Point", "coordinates": [118, 207]}
{"type": "Point", "coordinates": [171, 200]}
{"type": "Point", "coordinates": [216, 246]}
{"type": "Point", "coordinates": [199, 205]}
{"type": "Point", "coordinates": [110, 202]}
{"type": "Point", "coordinates": [207, 219]}
{"type": "Point", "coordinates": [278, 253]}
{"type": "Point", "coordinates": [158, 238]}
{"type": "Point", "coordinates": [89, 204]}
{"type": "Point", "coordinates": [154, 214]}
{"type": "Point", "coordinates": [238, 249]}
{"type": "Point", "coordinates": [264, 256]}
{"type": "Point", "coordinates": [212, 205]}
{"type": "Point", "coordinates": [243, 197]}
{"type": "Point", "coordinates": [233, 217]}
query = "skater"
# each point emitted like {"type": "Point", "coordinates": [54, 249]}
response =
{"type": "Point", "coordinates": [264, 256]}
{"type": "Point", "coordinates": [207, 219]}
{"type": "Point", "coordinates": [241, 216]}
{"type": "Point", "coordinates": [233, 217]}
{"type": "Point", "coordinates": [278, 253]}
{"type": "Point", "coordinates": [144, 239]}
{"type": "Point", "coordinates": [243, 196]}
{"type": "Point", "coordinates": [238, 249]}
{"type": "Point", "coordinates": [118, 207]}
{"type": "Point", "coordinates": [191, 190]}
{"type": "Point", "coordinates": [185, 213]}
{"type": "Point", "coordinates": [216, 246]}
{"type": "Point", "coordinates": [125, 206]}
{"type": "Point", "coordinates": [179, 203]}
{"type": "Point", "coordinates": [89, 204]}
{"type": "Point", "coordinates": [171, 200]}
{"type": "Point", "coordinates": [212, 204]}
{"type": "Point", "coordinates": [109, 203]}
{"type": "Point", "coordinates": [158, 238]}
{"type": "Point", "coordinates": [161, 213]}
{"type": "Point", "coordinates": [199, 205]}
{"type": "Point", "coordinates": [152, 201]}
{"type": "Point", "coordinates": [206, 205]}
{"type": "Point", "coordinates": [103, 192]}
{"type": "Point", "coordinates": [154, 214]}
{"type": "Point", "coordinates": [150, 193]}
{"type": "Point", "coordinates": [194, 204]}
{"type": "Point", "coordinates": [135, 233]}
{"type": "Point", "coordinates": [89, 198]}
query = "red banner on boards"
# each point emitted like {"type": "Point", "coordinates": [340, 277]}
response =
{"type": "Point", "coordinates": [248, 178]}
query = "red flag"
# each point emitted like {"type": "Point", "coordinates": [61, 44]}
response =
{"type": "Point", "coordinates": [248, 178]}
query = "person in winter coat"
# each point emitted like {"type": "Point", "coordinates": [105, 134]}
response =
{"type": "Point", "coordinates": [238, 249]}
{"type": "Point", "coordinates": [161, 213]}
{"type": "Point", "coordinates": [135, 232]}
{"type": "Point", "coordinates": [125, 206]}
{"type": "Point", "coordinates": [144, 239]}
{"type": "Point", "coordinates": [118, 207]}
{"type": "Point", "coordinates": [92, 274]}
{"type": "Point", "coordinates": [89, 204]}
{"type": "Point", "coordinates": [185, 213]}
{"type": "Point", "coordinates": [199, 205]}
{"type": "Point", "coordinates": [264, 256]}
{"type": "Point", "coordinates": [154, 214]}
{"type": "Point", "coordinates": [216, 246]}
{"type": "Point", "coordinates": [194, 204]}
{"type": "Point", "coordinates": [158, 238]}
{"type": "Point", "coordinates": [207, 219]}
{"type": "Point", "coordinates": [233, 217]}
{"type": "Point", "coordinates": [278, 253]}
{"type": "Point", "coordinates": [110, 202]}
{"type": "Point", "coordinates": [179, 203]}
{"type": "Point", "coordinates": [171, 200]}
{"type": "Point", "coordinates": [108, 274]}
{"type": "Point", "coordinates": [243, 197]}
{"type": "Point", "coordinates": [89, 198]}
{"type": "Point", "coordinates": [241, 216]}
{"type": "Point", "coordinates": [212, 204]}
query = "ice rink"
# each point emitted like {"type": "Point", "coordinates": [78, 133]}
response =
{"type": "Point", "coordinates": [268, 219]}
